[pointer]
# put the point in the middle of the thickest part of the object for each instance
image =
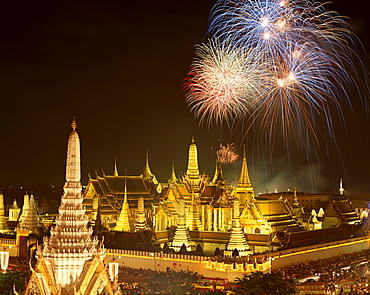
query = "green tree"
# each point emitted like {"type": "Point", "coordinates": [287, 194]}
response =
{"type": "Point", "coordinates": [10, 278]}
{"type": "Point", "coordinates": [259, 283]}
{"type": "Point", "coordinates": [171, 283]}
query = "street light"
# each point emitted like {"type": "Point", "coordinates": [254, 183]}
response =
{"type": "Point", "coordinates": [4, 257]}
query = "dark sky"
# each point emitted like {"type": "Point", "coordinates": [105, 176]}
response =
{"type": "Point", "coordinates": [118, 66]}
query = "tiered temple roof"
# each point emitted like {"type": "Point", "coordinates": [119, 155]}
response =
{"type": "Point", "coordinates": [278, 214]}
{"type": "Point", "coordinates": [110, 190]}
{"type": "Point", "coordinates": [343, 211]}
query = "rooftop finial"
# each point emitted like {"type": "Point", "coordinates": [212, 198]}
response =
{"type": "Point", "coordinates": [341, 189]}
{"type": "Point", "coordinates": [295, 187]}
{"type": "Point", "coordinates": [74, 123]}
{"type": "Point", "coordinates": [244, 180]}
{"type": "Point", "coordinates": [115, 173]}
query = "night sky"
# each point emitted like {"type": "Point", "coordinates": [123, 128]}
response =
{"type": "Point", "coordinates": [119, 66]}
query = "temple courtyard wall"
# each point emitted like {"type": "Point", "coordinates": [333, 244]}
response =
{"type": "Point", "coordinates": [227, 268]}
{"type": "Point", "coordinates": [300, 255]}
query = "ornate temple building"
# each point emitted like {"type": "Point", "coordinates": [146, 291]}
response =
{"type": "Point", "coordinates": [200, 210]}
{"type": "Point", "coordinates": [107, 193]}
{"type": "Point", "coordinates": [71, 260]}
{"type": "Point", "coordinates": [191, 212]}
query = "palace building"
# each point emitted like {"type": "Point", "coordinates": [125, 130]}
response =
{"type": "Point", "coordinates": [197, 209]}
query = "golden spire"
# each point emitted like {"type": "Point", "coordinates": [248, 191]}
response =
{"type": "Point", "coordinates": [123, 223]}
{"type": "Point", "coordinates": [218, 177]}
{"type": "Point", "coordinates": [193, 170]}
{"type": "Point", "coordinates": [146, 172]}
{"type": "Point", "coordinates": [115, 173]}
{"type": "Point", "coordinates": [341, 189]}
{"type": "Point", "coordinates": [295, 200]}
{"type": "Point", "coordinates": [173, 178]}
{"type": "Point", "coordinates": [73, 166]}
{"type": "Point", "coordinates": [192, 173]}
{"type": "Point", "coordinates": [74, 123]}
{"type": "Point", "coordinates": [244, 180]}
{"type": "Point", "coordinates": [297, 209]}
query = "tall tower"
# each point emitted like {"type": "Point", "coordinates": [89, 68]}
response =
{"type": "Point", "coordinates": [70, 244]}
{"type": "Point", "coordinates": [237, 239]}
{"type": "Point", "coordinates": [192, 173]}
{"type": "Point", "coordinates": [244, 190]}
{"type": "Point", "coordinates": [3, 226]}
{"type": "Point", "coordinates": [70, 261]}
{"type": "Point", "coordinates": [140, 223]}
{"type": "Point", "coordinates": [182, 236]}
{"type": "Point", "coordinates": [30, 223]}
{"type": "Point", "coordinates": [26, 205]}
{"type": "Point", "coordinates": [123, 222]}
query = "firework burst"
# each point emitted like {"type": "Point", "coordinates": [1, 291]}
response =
{"type": "Point", "coordinates": [222, 82]}
{"type": "Point", "coordinates": [279, 63]}
{"type": "Point", "coordinates": [227, 154]}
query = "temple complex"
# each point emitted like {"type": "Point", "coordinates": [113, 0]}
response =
{"type": "Point", "coordinates": [196, 209]}
{"type": "Point", "coordinates": [189, 212]}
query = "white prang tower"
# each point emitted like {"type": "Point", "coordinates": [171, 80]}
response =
{"type": "Point", "coordinates": [71, 254]}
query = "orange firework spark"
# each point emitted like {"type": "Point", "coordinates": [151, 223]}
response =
{"type": "Point", "coordinates": [227, 154]}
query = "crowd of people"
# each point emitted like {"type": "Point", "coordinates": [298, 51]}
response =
{"type": "Point", "coordinates": [349, 270]}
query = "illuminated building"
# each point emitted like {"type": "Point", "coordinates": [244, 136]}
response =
{"type": "Point", "coordinates": [182, 236]}
{"type": "Point", "coordinates": [210, 219]}
{"type": "Point", "coordinates": [3, 226]}
{"type": "Point", "coordinates": [107, 193]}
{"type": "Point", "coordinates": [26, 205]}
{"type": "Point", "coordinates": [71, 260]}
{"type": "Point", "coordinates": [30, 221]}
{"type": "Point", "coordinates": [123, 222]}
{"type": "Point", "coordinates": [14, 211]}
{"type": "Point", "coordinates": [237, 238]}
{"type": "Point", "coordinates": [29, 224]}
